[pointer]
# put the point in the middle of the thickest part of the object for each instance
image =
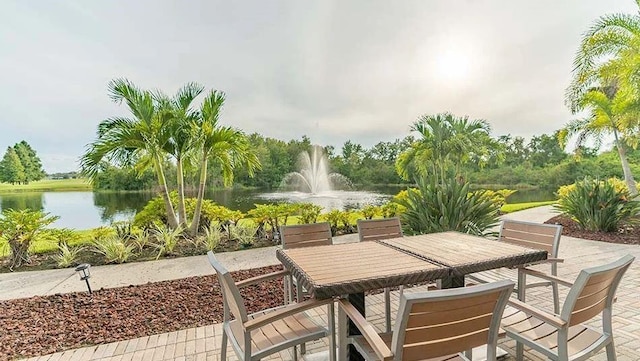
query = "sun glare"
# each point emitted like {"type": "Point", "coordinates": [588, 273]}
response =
{"type": "Point", "coordinates": [452, 66]}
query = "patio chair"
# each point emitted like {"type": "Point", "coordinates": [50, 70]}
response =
{"type": "Point", "coordinates": [565, 336]}
{"type": "Point", "coordinates": [531, 235]}
{"type": "Point", "coordinates": [255, 336]}
{"type": "Point", "coordinates": [375, 230]}
{"type": "Point", "coordinates": [299, 236]}
{"type": "Point", "coordinates": [438, 325]}
{"type": "Point", "coordinates": [303, 235]}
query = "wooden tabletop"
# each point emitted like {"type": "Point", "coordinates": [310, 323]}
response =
{"type": "Point", "coordinates": [465, 253]}
{"type": "Point", "coordinates": [336, 270]}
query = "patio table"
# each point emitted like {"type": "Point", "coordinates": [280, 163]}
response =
{"type": "Point", "coordinates": [465, 253]}
{"type": "Point", "coordinates": [354, 268]}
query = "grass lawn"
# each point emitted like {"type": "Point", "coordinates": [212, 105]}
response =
{"type": "Point", "coordinates": [48, 185]}
{"type": "Point", "coordinates": [508, 208]}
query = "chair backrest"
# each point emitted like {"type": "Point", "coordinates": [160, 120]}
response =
{"type": "Point", "coordinates": [438, 323]}
{"type": "Point", "coordinates": [532, 235]}
{"type": "Point", "coordinates": [377, 229]}
{"type": "Point", "coordinates": [594, 291]}
{"type": "Point", "coordinates": [231, 298]}
{"type": "Point", "coordinates": [306, 235]}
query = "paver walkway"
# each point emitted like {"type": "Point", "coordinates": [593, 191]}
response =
{"type": "Point", "coordinates": [202, 343]}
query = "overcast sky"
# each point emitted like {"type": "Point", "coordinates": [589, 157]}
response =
{"type": "Point", "coordinates": [333, 70]}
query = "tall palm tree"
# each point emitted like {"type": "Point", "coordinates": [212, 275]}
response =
{"type": "Point", "coordinates": [608, 59]}
{"type": "Point", "coordinates": [446, 143]}
{"type": "Point", "coordinates": [140, 138]}
{"type": "Point", "coordinates": [227, 147]}
{"type": "Point", "coordinates": [182, 142]}
{"type": "Point", "coordinates": [610, 111]}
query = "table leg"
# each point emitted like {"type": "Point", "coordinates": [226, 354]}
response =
{"type": "Point", "coordinates": [357, 300]}
{"type": "Point", "coordinates": [451, 282]}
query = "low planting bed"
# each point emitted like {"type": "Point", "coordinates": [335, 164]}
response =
{"type": "Point", "coordinates": [42, 325]}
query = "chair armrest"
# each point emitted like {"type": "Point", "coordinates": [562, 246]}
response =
{"type": "Point", "coordinates": [546, 276]}
{"type": "Point", "coordinates": [553, 320]}
{"type": "Point", "coordinates": [368, 332]}
{"type": "Point", "coordinates": [554, 260]}
{"type": "Point", "coordinates": [284, 312]}
{"type": "Point", "coordinates": [257, 279]}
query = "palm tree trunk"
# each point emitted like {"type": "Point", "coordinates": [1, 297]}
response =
{"type": "Point", "coordinates": [626, 169]}
{"type": "Point", "coordinates": [171, 215]}
{"type": "Point", "coordinates": [182, 212]}
{"type": "Point", "coordinates": [195, 223]}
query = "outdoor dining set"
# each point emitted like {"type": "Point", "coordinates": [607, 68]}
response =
{"type": "Point", "coordinates": [465, 309]}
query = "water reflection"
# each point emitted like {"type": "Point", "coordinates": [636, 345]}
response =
{"type": "Point", "coordinates": [21, 201]}
{"type": "Point", "coordinates": [113, 206]}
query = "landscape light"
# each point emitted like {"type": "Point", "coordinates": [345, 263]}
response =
{"type": "Point", "coordinates": [84, 273]}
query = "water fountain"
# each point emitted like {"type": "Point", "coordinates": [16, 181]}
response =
{"type": "Point", "coordinates": [314, 176]}
{"type": "Point", "coordinates": [314, 183]}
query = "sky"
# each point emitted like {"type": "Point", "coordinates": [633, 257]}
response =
{"type": "Point", "coordinates": [331, 70]}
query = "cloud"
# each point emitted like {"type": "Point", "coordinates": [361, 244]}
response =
{"type": "Point", "coordinates": [333, 70]}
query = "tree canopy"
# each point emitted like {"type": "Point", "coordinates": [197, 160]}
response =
{"type": "Point", "coordinates": [20, 165]}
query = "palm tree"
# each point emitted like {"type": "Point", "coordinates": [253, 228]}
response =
{"type": "Point", "coordinates": [226, 146]}
{"type": "Point", "coordinates": [610, 111]}
{"type": "Point", "coordinates": [182, 143]}
{"type": "Point", "coordinates": [139, 139]}
{"type": "Point", "coordinates": [607, 64]}
{"type": "Point", "coordinates": [447, 142]}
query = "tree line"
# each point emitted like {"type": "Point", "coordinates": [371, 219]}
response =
{"type": "Point", "coordinates": [510, 161]}
{"type": "Point", "coordinates": [20, 165]}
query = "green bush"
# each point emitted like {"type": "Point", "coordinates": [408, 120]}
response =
{"type": "Point", "coordinates": [167, 239]}
{"type": "Point", "coordinates": [245, 235]}
{"type": "Point", "coordinates": [370, 211]}
{"type": "Point", "coordinates": [435, 207]}
{"type": "Point", "coordinates": [598, 205]}
{"type": "Point", "coordinates": [309, 213]}
{"type": "Point", "coordinates": [67, 255]}
{"type": "Point", "coordinates": [114, 249]}
{"type": "Point", "coordinates": [19, 229]}
{"type": "Point", "coordinates": [154, 212]}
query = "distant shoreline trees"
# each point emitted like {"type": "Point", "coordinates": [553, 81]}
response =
{"type": "Point", "coordinates": [21, 165]}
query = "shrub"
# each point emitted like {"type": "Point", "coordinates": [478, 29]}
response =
{"type": "Point", "coordinates": [450, 206]}
{"type": "Point", "coordinates": [212, 236]}
{"type": "Point", "coordinates": [390, 209]}
{"type": "Point", "coordinates": [167, 239]}
{"type": "Point", "coordinates": [20, 229]}
{"type": "Point", "coordinates": [370, 211]}
{"type": "Point", "coordinates": [114, 249]}
{"type": "Point", "coordinates": [309, 213]}
{"type": "Point", "coordinates": [140, 239]}
{"type": "Point", "coordinates": [154, 212]}
{"type": "Point", "coordinates": [597, 205]}
{"type": "Point", "coordinates": [123, 229]}
{"type": "Point", "coordinates": [345, 220]}
{"type": "Point", "coordinates": [333, 217]}
{"type": "Point", "coordinates": [67, 256]}
{"type": "Point", "coordinates": [499, 196]}
{"type": "Point", "coordinates": [245, 235]}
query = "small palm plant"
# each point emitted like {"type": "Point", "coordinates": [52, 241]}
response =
{"type": "Point", "coordinates": [212, 236]}
{"type": "Point", "coordinates": [67, 256]}
{"type": "Point", "coordinates": [245, 235]}
{"type": "Point", "coordinates": [447, 206]}
{"type": "Point", "coordinates": [114, 249]}
{"type": "Point", "coordinates": [167, 239]}
{"type": "Point", "coordinates": [20, 229]}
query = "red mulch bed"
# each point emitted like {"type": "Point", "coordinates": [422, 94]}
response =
{"type": "Point", "coordinates": [625, 235]}
{"type": "Point", "coordinates": [42, 325]}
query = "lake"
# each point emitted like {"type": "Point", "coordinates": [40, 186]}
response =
{"type": "Point", "coordinates": [83, 210]}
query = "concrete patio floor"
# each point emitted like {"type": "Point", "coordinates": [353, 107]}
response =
{"type": "Point", "coordinates": [202, 343]}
